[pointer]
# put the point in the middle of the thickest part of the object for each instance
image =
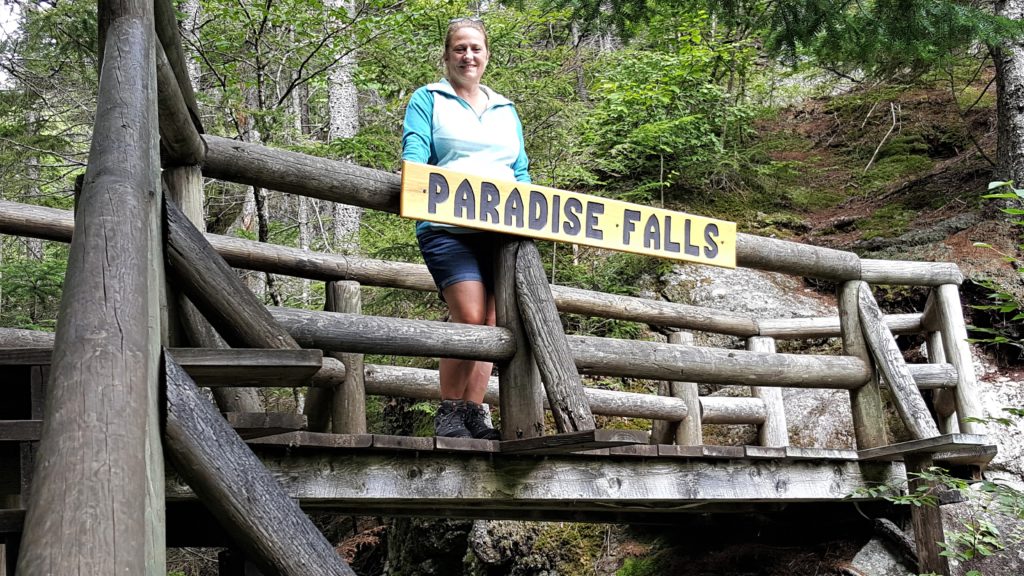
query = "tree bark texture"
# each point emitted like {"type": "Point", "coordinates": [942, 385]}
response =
{"type": "Point", "coordinates": [103, 391]}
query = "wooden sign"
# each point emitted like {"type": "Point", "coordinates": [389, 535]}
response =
{"type": "Point", "coordinates": [447, 197]}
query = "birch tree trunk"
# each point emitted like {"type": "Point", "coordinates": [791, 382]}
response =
{"type": "Point", "coordinates": [344, 110]}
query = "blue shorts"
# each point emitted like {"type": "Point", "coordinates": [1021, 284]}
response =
{"type": "Point", "coordinates": [453, 258]}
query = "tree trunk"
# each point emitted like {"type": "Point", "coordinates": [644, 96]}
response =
{"type": "Point", "coordinates": [344, 105]}
{"type": "Point", "coordinates": [1009, 60]}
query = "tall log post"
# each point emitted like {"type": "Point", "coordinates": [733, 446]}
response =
{"type": "Point", "coordinates": [522, 394]}
{"type": "Point", "coordinates": [348, 406]}
{"type": "Point", "coordinates": [550, 347]}
{"type": "Point", "coordinates": [865, 401]}
{"type": "Point", "coordinates": [943, 400]}
{"type": "Point", "coordinates": [773, 432]}
{"type": "Point", "coordinates": [233, 484]}
{"type": "Point", "coordinates": [185, 186]}
{"type": "Point", "coordinates": [926, 520]}
{"type": "Point", "coordinates": [689, 431]}
{"type": "Point", "coordinates": [100, 436]}
{"type": "Point", "coordinates": [890, 362]}
{"type": "Point", "coordinates": [958, 352]}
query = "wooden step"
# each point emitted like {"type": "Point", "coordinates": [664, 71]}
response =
{"type": "Point", "coordinates": [256, 424]}
{"type": "Point", "coordinates": [20, 430]}
{"type": "Point", "coordinates": [946, 444]}
{"type": "Point", "coordinates": [575, 442]}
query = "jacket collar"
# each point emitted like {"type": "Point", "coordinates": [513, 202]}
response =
{"type": "Point", "coordinates": [493, 98]}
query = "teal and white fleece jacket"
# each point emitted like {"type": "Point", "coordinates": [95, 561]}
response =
{"type": "Point", "coordinates": [442, 129]}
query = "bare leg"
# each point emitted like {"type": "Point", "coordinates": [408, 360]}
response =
{"type": "Point", "coordinates": [468, 303]}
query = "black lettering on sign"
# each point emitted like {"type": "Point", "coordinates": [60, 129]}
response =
{"type": "Point", "coordinates": [594, 209]}
{"type": "Point", "coordinates": [556, 207]}
{"type": "Point", "coordinates": [465, 201]}
{"type": "Point", "coordinates": [437, 187]}
{"type": "Point", "coordinates": [538, 210]}
{"type": "Point", "coordinates": [573, 208]}
{"type": "Point", "coordinates": [652, 233]}
{"type": "Point", "coordinates": [629, 220]}
{"type": "Point", "coordinates": [690, 248]}
{"type": "Point", "coordinates": [710, 246]}
{"type": "Point", "coordinates": [489, 200]}
{"type": "Point", "coordinates": [514, 209]}
{"type": "Point", "coordinates": [670, 246]}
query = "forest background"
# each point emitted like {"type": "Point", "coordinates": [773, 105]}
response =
{"type": "Point", "coordinates": [846, 124]}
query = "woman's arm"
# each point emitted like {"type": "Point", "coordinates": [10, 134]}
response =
{"type": "Point", "coordinates": [522, 164]}
{"type": "Point", "coordinates": [417, 130]}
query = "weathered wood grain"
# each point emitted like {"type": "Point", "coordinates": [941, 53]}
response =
{"type": "Point", "coordinates": [793, 258]}
{"type": "Point", "coordinates": [797, 453]}
{"type": "Point", "coordinates": [180, 142]}
{"type": "Point", "coordinates": [302, 174]}
{"type": "Point", "coordinates": [349, 408]}
{"type": "Point", "coordinates": [522, 398]}
{"type": "Point", "coordinates": [20, 430]}
{"type": "Point", "coordinates": [184, 184]}
{"type": "Point", "coordinates": [574, 442]}
{"type": "Point", "coordinates": [910, 273]}
{"type": "Point", "coordinates": [806, 328]}
{"type": "Point", "coordinates": [943, 400]}
{"type": "Point", "coordinates": [729, 410]}
{"type": "Point", "coordinates": [926, 520]}
{"type": "Point", "coordinates": [958, 353]}
{"type": "Point", "coordinates": [381, 335]}
{"type": "Point", "coordinates": [19, 338]}
{"type": "Point", "coordinates": [865, 401]}
{"type": "Point", "coordinates": [256, 424]}
{"type": "Point", "coordinates": [237, 489]}
{"type": "Point", "coordinates": [308, 439]}
{"type": "Point", "coordinates": [688, 432]}
{"type": "Point", "coordinates": [943, 443]}
{"type": "Point", "coordinates": [889, 361]}
{"type": "Point", "coordinates": [774, 431]}
{"type": "Point", "coordinates": [562, 383]}
{"type": "Point", "coordinates": [426, 480]}
{"type": "Point", "coordinates": [216, 290]}
{"type": "Point", "coordinates": [26, 356]}
{"type": "Point", "coordinates": [170, 39]}
{"type": "Point", "coordinates": [405, 382]}
{"type": "Point", "coordinates": [104, 374]}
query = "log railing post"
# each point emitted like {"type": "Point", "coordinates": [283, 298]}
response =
{"type": "Point", "coordinates": [865, 401]}
{"type": "Point", "coordinates": [685, 432]}
{"type": "Point", "coordinates": [943, 399]}
{"type": "Point", "coordinates": [521, 394]}
{"type": "Point", "coordinates": [348, 405]}
{"type": "Point", "coordinates": [562, 383]}
{"type": "Point", "coordinates": [101, 433]}
{"type": "Point", "coordinates": [958, 352]}
{"type": "Point", "coordinates": [773, 432]}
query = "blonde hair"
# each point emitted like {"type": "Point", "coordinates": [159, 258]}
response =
{"type": "Point", "coordinates": [457, 24]}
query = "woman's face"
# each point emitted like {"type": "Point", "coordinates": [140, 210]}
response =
{"type": "Point", "coordinates": [466, 56]}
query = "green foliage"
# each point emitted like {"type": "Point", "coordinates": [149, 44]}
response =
{"type": "Point", "coordinates": [1008, 330]}
{"type": "Point", "coordinates": [887, 222]}
{"type": "Point", "coordinates": [652, 566]}
{"type": "Point", "coordinates": [576, 547]}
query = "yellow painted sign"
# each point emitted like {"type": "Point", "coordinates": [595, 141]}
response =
{"type": "Point", "coordinates": [447, 197]}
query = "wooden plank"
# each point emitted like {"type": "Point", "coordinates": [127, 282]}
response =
{"type": "Point", "coordinates": [944, 443]}
{"type": "Point", "coordinates": [249, 366]}
{"type": "Point", "coordinates": [26, 356]}
{"type": "Point", "coordinates": [256, 424]}
{"type": "Point", "coordinates": [796, 453]}
{"type": "Point", "coordinates": [574, 442]}
{"type": "Point", "coordinates": [562, 383]}
{"type": "Point", "coordinates": [20, 430]}
{"type": "Point", "coordinates": [639, 450]}
{"type": "Point", "coordinates": [865, 401]}
{"type": "Point", "coordinates": [710, 451]}
{"type": "Point", "coordinates": [958, 352]}
{"type": "Point", "coordinates": [926, 520]}
{"type": "Point", "coordinates": [12, 521]}
{"type": "Point", "coordinates": [889, 360]}
{"type": "Point", "coordinates": [675, 451]}
{"type": "Point", "coordinates": [105, 373]}
{"type": "Point", "coordinates": [977, 456]}
{"type": "Point", "coordinates": [433, 480]}
{"type": "Point", "coordinates": [413, 443]}
{"type": "Point", "coordinates": [763, 452]}
{"type": "Point", "coordinates": [522, 402]}
{"type": "Point", "coordinates": [466, 445]}
{"type": "Point", "coordinates": [225, 474]}
{"type": "Point", "coordinates": [305, 439]}
{"type": "Point", "coordinates": [774, 431]}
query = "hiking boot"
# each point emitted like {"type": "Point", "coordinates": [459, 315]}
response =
{"type": "Point", "coordinates": [476, 423]}
{"type": "Point", "coordinates": [449, 420]}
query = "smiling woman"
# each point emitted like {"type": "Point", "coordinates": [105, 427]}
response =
{"type": "Point", "coordinates": [459, 123]}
